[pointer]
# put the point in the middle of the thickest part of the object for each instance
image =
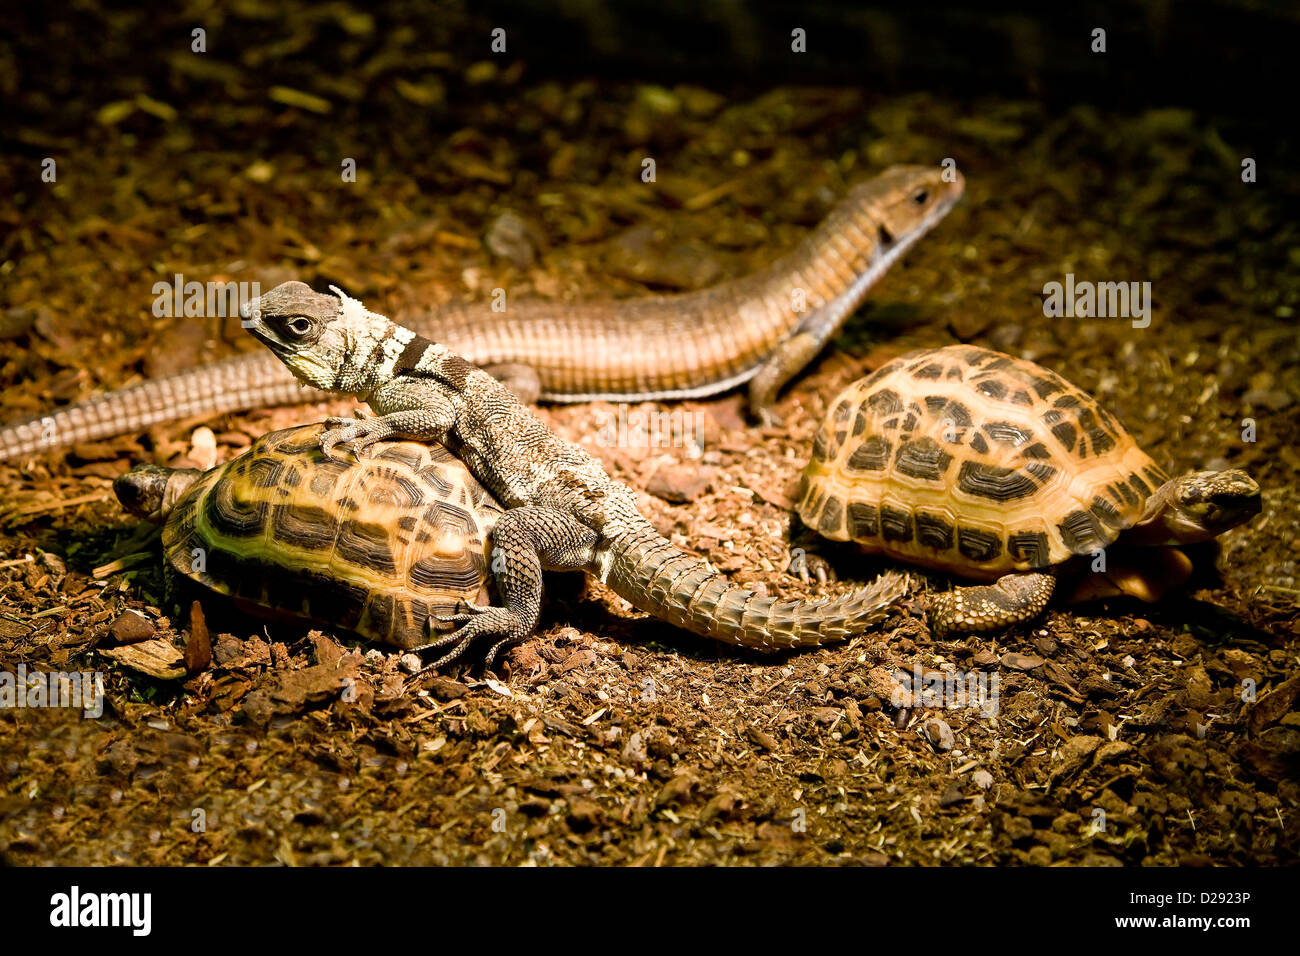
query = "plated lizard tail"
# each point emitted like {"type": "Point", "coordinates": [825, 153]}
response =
{"type": "Point", "coordinates": [229, 385]}
{"type": "Point", "coordinates": [758, 330]}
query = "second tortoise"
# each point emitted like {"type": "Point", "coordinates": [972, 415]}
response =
{"type": "Point", "coordinates": [994, 468]}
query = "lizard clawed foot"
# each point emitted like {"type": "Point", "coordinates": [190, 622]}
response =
{"type": "Point", "coordinates": [460, 617]}
{"type": "Point", "coordinates": [360, 432]}
{"type": "Point", "coordinates": [476, 621]}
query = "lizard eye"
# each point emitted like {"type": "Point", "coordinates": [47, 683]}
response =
{"type": "Point", "coordinates": [920, 197]}
{"type": "Point", "coordinates": [299, 326]}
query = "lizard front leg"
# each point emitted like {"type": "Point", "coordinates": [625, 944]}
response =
{"type": "Point", "coordinates": [797, 350]}
{"type": "Point", "coordinates": [429, 422]}
{"type": "Point", "coordinates": [525, 542]}
{"type": "Point", "coordinates": [781, 366]}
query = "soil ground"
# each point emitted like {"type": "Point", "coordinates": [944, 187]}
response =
{"type": "Point", "coordinates": [1124, 734]}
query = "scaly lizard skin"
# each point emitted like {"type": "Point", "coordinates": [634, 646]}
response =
{"type": "Point", "coordinates": [564, 511]}
{"type": "Point", "coordinates": [658, 347]}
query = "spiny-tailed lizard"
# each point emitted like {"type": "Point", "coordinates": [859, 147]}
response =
{"type": "Point", "coordinates": [563, 511]}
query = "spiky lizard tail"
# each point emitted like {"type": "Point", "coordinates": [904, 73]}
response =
{"type": "Point", "coordinates": [655, 576]}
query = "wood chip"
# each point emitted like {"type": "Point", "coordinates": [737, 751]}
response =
{"type": "Point", "coordinates": [1021, 662]}
{"type": "Point", "coordinates": [157, 658]}
{"type": "Point", "coordinates": [198, 647]}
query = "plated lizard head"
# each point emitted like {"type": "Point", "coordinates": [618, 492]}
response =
{"type": "Point", "coordinates": [905, 202]}
{"type": "Point", "coordinates": [330, 342]}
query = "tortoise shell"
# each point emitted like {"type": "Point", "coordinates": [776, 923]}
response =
{"type": "Point", "coordinates": [373, 546]}
{"type": "Point", "coordinates": [974, 462]}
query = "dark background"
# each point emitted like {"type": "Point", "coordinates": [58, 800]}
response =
{"type": "Point", "coordinates": [1232, 56]}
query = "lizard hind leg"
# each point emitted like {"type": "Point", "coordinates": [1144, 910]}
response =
{"type": "Point", "coordinates": [521, 379]}
{"type": "Point", "coordinates": [1011, 599]}
{"type": "Point", "coordinates": [474, 622]}
{"type": "Point", "coordinates": [525, 542]}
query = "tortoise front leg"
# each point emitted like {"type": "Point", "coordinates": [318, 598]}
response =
{"type": "Point", "coordinates": [991, 607]}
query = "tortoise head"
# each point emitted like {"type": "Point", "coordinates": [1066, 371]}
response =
{"type": "Point", "coordinates": [1199, 506]}
{"type": "Point", "coordinates": [150, 491]}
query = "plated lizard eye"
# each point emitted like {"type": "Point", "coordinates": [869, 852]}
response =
{"type": "Point", "coordinates": [920, 197]}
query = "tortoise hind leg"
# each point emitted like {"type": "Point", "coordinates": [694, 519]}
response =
{"type": "Point", "coordinates": [991, 607]}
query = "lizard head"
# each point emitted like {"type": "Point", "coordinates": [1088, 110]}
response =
{"type": "Point", "coordinates": [907, 201]}
{"type": "Point", "coordinates": [314, 335]}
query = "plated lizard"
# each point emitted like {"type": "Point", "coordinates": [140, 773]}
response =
{"type": "Point", "coordinates": [690, 345]}
{"type": "Point", "coordinates": [563, 511]}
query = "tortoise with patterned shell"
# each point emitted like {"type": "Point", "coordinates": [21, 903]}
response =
{"type": "Point", "coordinates": [993, 468]}
{"type": "Point", "coordinates": [386, 547]}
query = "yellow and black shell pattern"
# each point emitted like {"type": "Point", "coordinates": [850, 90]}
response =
{"type": "Point", "coordinates": [372, 546]}
{"type": "Point", "coordinates": [970, 461]}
